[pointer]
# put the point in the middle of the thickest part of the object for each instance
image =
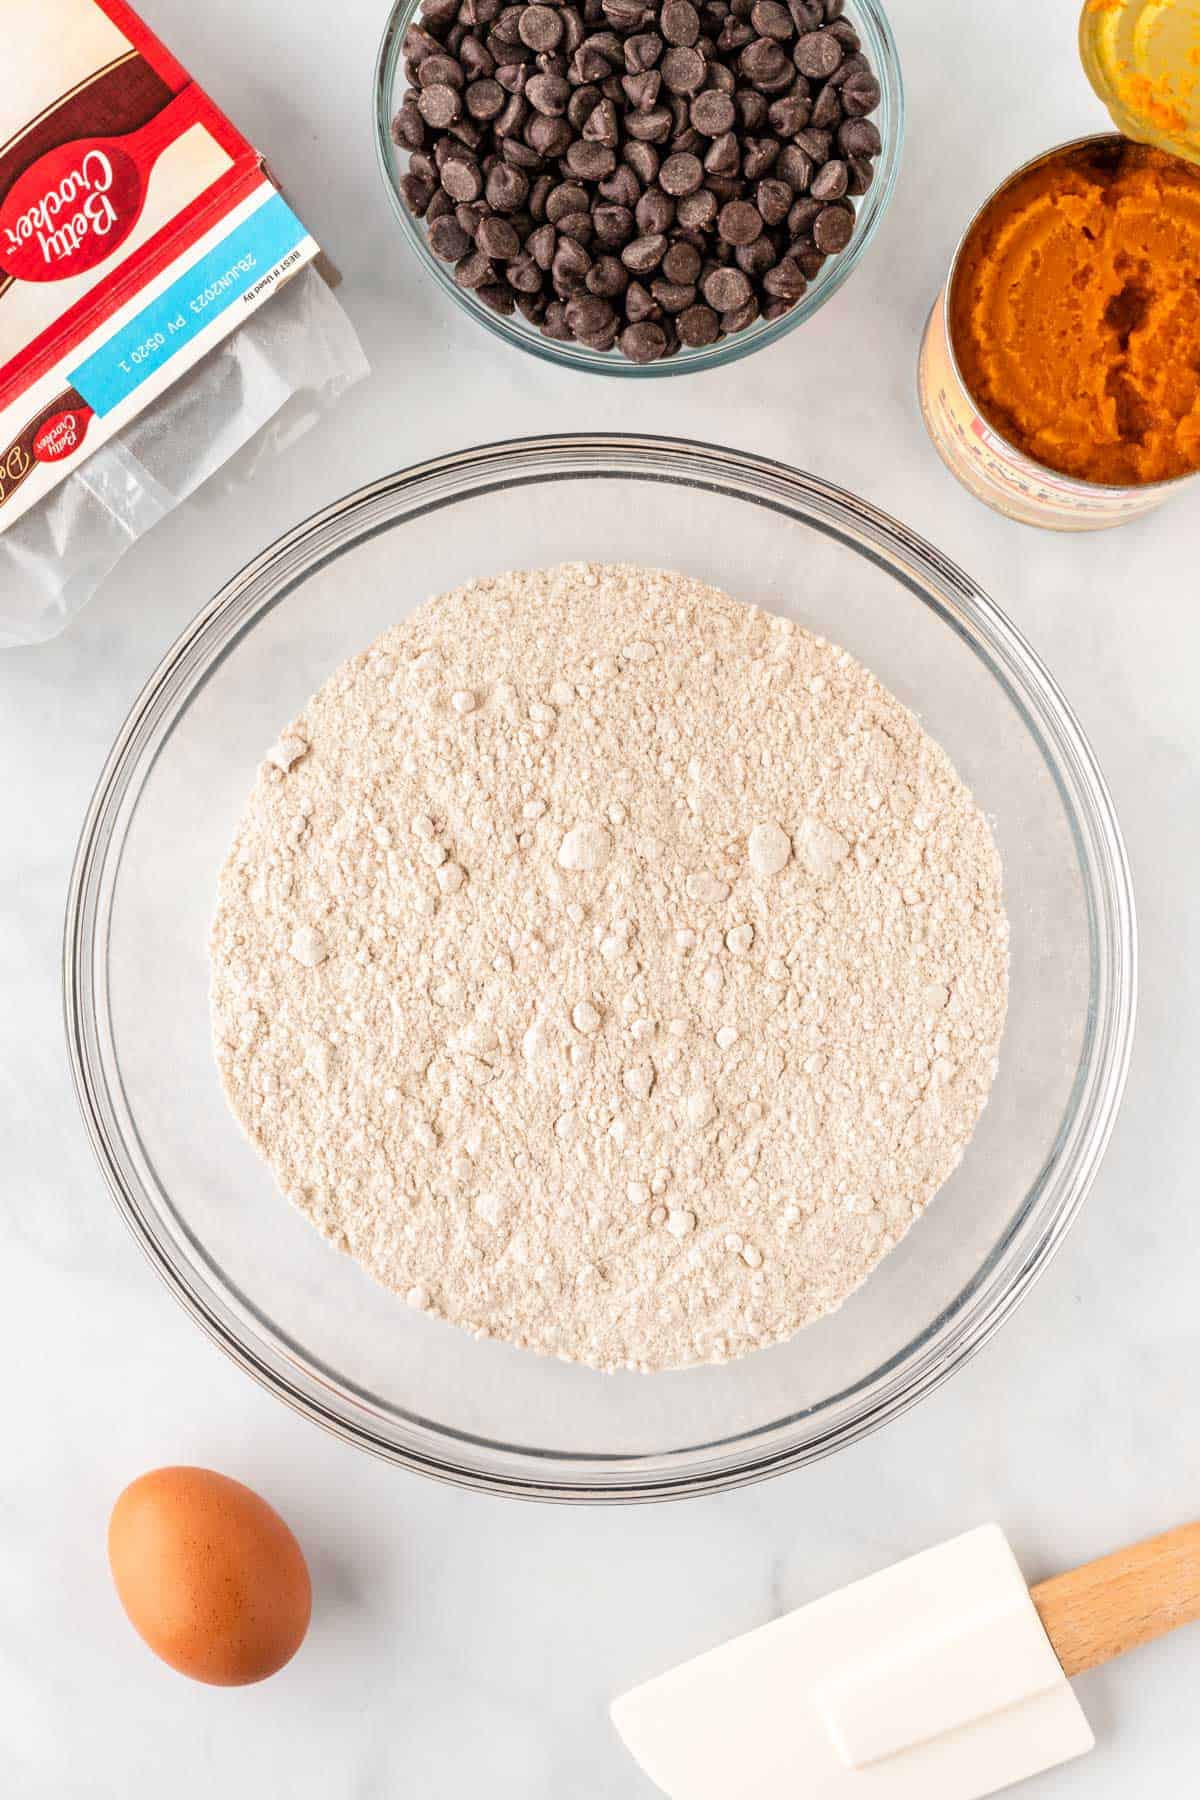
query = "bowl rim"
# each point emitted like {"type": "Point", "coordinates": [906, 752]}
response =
{"type": "Point", "coordinates": [871, 213]}
{"type": "Point", "coordinates": [1053, 1200]}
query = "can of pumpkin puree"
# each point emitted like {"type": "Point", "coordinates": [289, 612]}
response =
{"type": "Point", "coordinates": [978, 439]}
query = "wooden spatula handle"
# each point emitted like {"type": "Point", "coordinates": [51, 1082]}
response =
{"type": "Point", "coordinates": [1123, 1600]}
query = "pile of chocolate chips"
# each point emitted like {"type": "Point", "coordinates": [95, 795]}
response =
{"type": "Point", "coordinates": [638, 173]}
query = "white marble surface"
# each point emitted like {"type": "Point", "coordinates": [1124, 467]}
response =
{"type": "Point", "coordinates": [463, 1646]}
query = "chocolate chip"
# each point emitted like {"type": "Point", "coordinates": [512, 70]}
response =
{"type": "Point", "coordinates": [643, 160]}
{"type": "Point", "coordinates": [698, 212]}
{"type": "Point", "coordinates": [751, 108]}
{"type": "Point", "coordinates": [524, 274]}
{"type": "Point", "coordinates": [681, 264]}
{"type": "Point", "coordinates": [498, 297]}
{"type": "Point", "coordinates": [607, 276]}
{"type": "Point", "coordinates": [484, 99]}
{"type": "Point", "coordinates": [639, 304]}
{"type": "Point", "coordinates": [654, 212]}
{"type": "Point", "coordinates": [591, 162]}
{"type": "Point", "coordinates": [614, 225]}
{"type": "Point", "coordinates": [861, 94]}
{"type": "Point", "coordinates": [815, 144]}
{"type": "Point", "coordinates": [567, 197]}
{"type": "Point", "coordinates": [698, 326]}
{"type": "Point", "coordinates": [859, 137]}
{"type": "Point", "coordinates": [642, 52]}
{"type": "Point", "coordinates": [827, 109]}
{"type": "Point", "coordinates": [622, 186]}
{"type": "Point", "coordinates": [681, 174]}
{"type": "Point", "coordinates": [542, 244]}
{"type": "Point", "coordinates": [680, 22]}
{"type": "Point", "coordinates": [571, 263]}
{"type": "Point", "coordinates": [741, 316]}
{"type": "Point", "coordinates": [418, 192]}
{"type": "Point", "coordinates": [643, 343]}
{"type": "Point", "coordinates": [541, 27]}
{"type": "Point", "coordinates": [642, 90]}
{"type": "Point", "coordinates": [756, 257]}
{"type": "Point", "coordinates": [861, 174]}
{"type": "Point", "coordinates": [726, 289]}
{"type": "Point", "coordinates": [476, 60]}
{"type": "Point", "coordinates": [518, 154]}
{"type": "Point", "coordinates": [602, 127]}
{"type": "Point", "coordinates": [419, 43]}
{"type": "Point", "coordinates": [547, 136]}
{"type": "Point", "coordinates": [548, 94]}
{"type": "Point", "coordinates": [739, 223]}
{"type": "Point", "coordinates": [723, 157]}
{"type": "Point", "coordinates": [440, 106]}
{"type": "Point", "coordinates": [713, 113]}
{"type": "Point", "coordinates": [462, 179]}
{"type": "Point", "coordinates": [735, 35]}
{"type": "Point", "coordinates": [440, 70]}
{"type": "Point", "coordinates": [408, 127]}
{"type": "Point", "coordinates": [771, 20]}
{"type": "Point", "coordinates": [644, 254]}
{"type": "Point", "coordinates": [773, 199]}
{"type": "Point", "coordinates": [673, 296]}
{"type": "Point", "coordinates": [786, 280]}
{"type": "Point", "coordinates": [577, 226]}
{"type": "Point", "coordinates": [789, 114]}
{"type": "Point", "coordinates": [554, 322]}
{"type": "Point", "coordinates": [811, 260]}
{"type": "Point", "coordinates": [506, 188]}
{"type": "Point", "coordinates": [758, 156]}
{"type": "Point", "coordinates": [683, 71]}
{"type": "Point", "coordinates": [590, 316]}
{"type": "Point", "coordinates": [817, 54]}
{"type": "Point", "coordinates": [474, 270]}
{"type": "Point", "coordinates": [833, 229]}
{"type": "Point", "coordinates": [829, 183]}
{"type": "Point", "coordinates": [497, 239]}
{"type": "Point", "coordinates": [765, 64]}
{"type": "Point", "coordinates": [802, 216]}
{"type": "Point", "coordinates": [513, 117]}
{"type": "Point", "coordinates": [650, 127]}
{"type": "Point", "coordinates": [448, 240]}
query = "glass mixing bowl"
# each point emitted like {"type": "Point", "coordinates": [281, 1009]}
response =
{"type": "Point", "coordinates": [871, 23]}
{"type": "Point", "coordinates": [307, 1321]}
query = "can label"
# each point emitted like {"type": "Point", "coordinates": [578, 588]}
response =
{"type": "Point", "coordinates": [998, 473]}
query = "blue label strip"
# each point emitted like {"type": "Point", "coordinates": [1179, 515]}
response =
{"type": "Point", "coordinates": [248, 256]}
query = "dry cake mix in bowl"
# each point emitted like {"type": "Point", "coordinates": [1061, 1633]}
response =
{"type": "Point", "coordinates": [610, 967]}
{"type": "Point", "coordinates": [598, 976]}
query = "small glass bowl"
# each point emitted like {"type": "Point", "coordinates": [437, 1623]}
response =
{"type": "Point", "coordinates": [309, 1323]}
{"type": "Point", "coordinates": [879, 44]}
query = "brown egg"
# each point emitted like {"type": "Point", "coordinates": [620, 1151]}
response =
{"type": "Point", "coordinates": [209, 1575]}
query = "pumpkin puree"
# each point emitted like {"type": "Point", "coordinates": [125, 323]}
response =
{"type": "Point", "coordinates": [1075, 314]}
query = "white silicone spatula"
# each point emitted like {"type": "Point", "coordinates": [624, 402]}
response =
{"type": "Point", "coordinates": [943, 1678]}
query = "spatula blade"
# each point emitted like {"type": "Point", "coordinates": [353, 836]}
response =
{"type": "Point", "coordinates": [933, 1680]}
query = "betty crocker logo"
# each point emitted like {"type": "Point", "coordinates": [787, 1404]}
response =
{"type": "Point", "coordinates": [72, 209]}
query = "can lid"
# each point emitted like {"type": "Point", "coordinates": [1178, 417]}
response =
{"type": "Point", "coordinates": [1143, 59]}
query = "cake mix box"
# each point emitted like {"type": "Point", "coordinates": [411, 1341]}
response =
{"type": "Point", "coordinates": [138, 231]}
{"type": "Point", "coordinates": [137, 228]}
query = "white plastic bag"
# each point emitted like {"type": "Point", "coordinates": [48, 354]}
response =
{"type": "Point", "coordinates": [280, 370]}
